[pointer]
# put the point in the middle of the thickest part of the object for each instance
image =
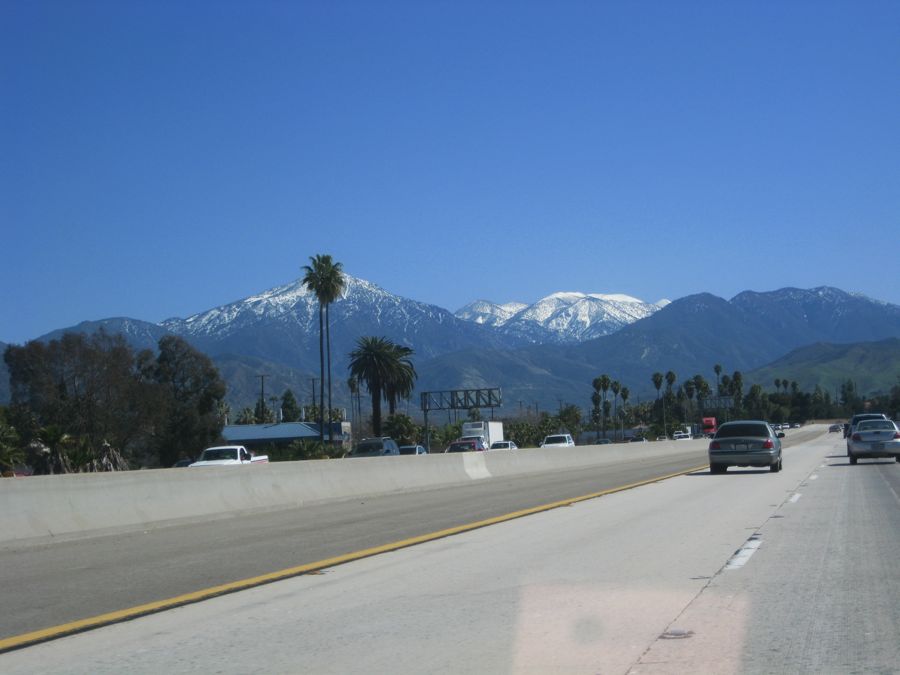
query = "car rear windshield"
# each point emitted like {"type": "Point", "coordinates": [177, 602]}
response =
{"type": "Point", "coordinates": [741, 430]}
{"type": "Point", "coordinates": [868, 416]}
{"type": "Point", "coordinates": [870, 425]}
{"type": "Point", "coordinates": [557, 439]}
{"type": "Point", "coordinates": [407, 449]}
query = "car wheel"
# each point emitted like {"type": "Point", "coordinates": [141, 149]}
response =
{"type": "Point", "coordinates": [852, 459]}
{"type": "Point", "coordinates": [717, 468]}
{"type": "Point", "coordinates": [776, 467]}
{"type": "Point", "coordinates": [897, 458]}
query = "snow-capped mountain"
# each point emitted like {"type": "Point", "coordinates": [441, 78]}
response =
{"type": "Point", "coordinates": [561, 318]}
{"type": "Point", "coordinates": [489, 313]}
{"type": "Point", "coordinates": [281, 324]}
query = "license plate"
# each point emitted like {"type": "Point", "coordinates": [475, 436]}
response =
{"type": "Point", "coordinates": [878, 446]}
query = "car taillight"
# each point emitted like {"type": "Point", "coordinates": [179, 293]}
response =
{"type": "Point", "coordinates": [897, 434]}
{"type": "Point", "coordinates": [768, 444]}
{"type": "Point", "coordinates": [856, 437]}
{"type": "Point", "coordinates": [715, 446]}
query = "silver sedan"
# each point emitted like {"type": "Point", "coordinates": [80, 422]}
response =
{"type": "Point", "coordinates": [745, 443]}
{"type": "Point", "coordinates": [874, 438]}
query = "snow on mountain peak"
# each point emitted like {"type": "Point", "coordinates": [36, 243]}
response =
{"type": "Point", "coordinates": [564, 317]}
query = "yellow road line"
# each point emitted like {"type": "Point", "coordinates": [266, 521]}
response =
{"type": "Point", "coordinates": [45, 634]}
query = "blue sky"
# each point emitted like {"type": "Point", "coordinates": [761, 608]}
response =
{"type": "Point", "coordinates": [158, 159]}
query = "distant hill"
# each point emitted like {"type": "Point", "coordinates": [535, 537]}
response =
{"type": "Point", "coordinates": [874, 367]}
{"type": "Point", "coordinates": [139, 334]}
{"type": "Point", "coordinates": [241, 373]}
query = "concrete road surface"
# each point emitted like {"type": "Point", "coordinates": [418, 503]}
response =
{"type": "Point", "coordinates": [746, 572]}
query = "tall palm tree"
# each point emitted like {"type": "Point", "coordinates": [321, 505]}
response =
{"type": "Point", "coordinates": [671, 377]}
{"type": "Point", "coordinates": [690, 390]}
{"type": "Point", "coordinates": [604, 387]}
{"type": "Point", "coordinates": [657, 378]}
{"type": "Point", "coordinates": [595, 400]}
{"type": "Point", "coordinates": [325, 278]}
{"type": "Point", "coordinates": [718, 370]}
{"type": "Point", "coordinates": [657, 382]}
{"type": "Point", "coordinates": [386, 370]}
{"type": "Point", "coordinates": [615, 386]}
{"type": "Point", "coordinates": [624, 394]}
{"type": "Point", "coordinates": [353, 386]}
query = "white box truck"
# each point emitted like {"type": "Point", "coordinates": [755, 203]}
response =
{"type": "Point", "coordinates": [490, 432]}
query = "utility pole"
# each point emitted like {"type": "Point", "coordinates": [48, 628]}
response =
{"type": "Point", "coordinates": [262, 393]}
{"type": "Point", "coordinates": [274, 400]}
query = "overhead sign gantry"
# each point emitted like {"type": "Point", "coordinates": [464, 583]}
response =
{"type": "Point", "coordinates": [459, 399]}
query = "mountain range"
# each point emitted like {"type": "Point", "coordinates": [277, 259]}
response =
{"type": "Point", "coordinates": [546, 352]}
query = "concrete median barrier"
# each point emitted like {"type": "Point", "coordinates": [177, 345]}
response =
{"type": "Point", "coordinates": [67, 506]}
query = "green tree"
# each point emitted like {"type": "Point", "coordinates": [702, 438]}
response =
{"type": "Point", "coordinates": [325, 279]}
{"type": "Point", "coordinates": [570, 419]}
{"type": "Point", "coordinates": [615, 386]}
{"type": "Point", "coordinates": [91, 386]}
{"type": "Point", "coordinates": [605, 383]}
{"type": "Point", "coordinates": [290, 409]}
{"type": "Point", "coordinates": [382, 367]}
{"type": "Point", "coordinates": [625, 393]}
{"type": "Point", "coordinates": [401, 428]}
{"type": "Point", "coordinates": [262, 414]}
{"type": "Point", "coordinates": [10, 452]}
{"type": "Point", "coordinates": [190, 390]}
{"type": "Point", "coordinates": [246, 416]}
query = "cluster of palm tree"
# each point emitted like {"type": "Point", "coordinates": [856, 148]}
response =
{"type": "Point", "coordinates": [383, 367]}
{"type": "Point", "coordinates": [386, 370]}
{"type": "Point", "coordinates": [600, 403]}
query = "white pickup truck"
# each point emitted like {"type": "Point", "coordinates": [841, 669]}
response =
{"type": "Point", "coordinates": [229, 455]}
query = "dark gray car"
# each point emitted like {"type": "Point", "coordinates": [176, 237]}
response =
{"type": "Point", "coordinates": [375, 447]}
{"type": "Point", "coordinates": [745, 443]}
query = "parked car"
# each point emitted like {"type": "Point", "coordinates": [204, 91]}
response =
{"type": "Point", "coordinates": [835, 427]}
{"type": "Point", "coordinates": [603, 441]}
{"type": "Point", "coordinates": [375, 447]}
{"type": "Point", "coordinates": [745, 443]}
{"type": "Point", "coordinates": [859, 417]}
{"type": "Point", "coordinates": [504, 445]}
{"type": "Point", "coordinates": [638, 439]}
{"type": "Point", "coordinates": [681, 436]}
{"type": "Point", "coordinates": [874, 438]}
{"type": "Point", "coordinates": [465, 446]}
{"type": "Point", "coordinates": [413, 450]}
{"type": "Point", "coordinates": [557, 441]}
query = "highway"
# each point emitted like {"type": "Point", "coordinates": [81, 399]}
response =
{"type": "Point", "coordinates": [637, 581]}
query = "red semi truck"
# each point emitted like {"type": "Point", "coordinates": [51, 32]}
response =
{"type": "Point", "coordinates": [708, 426]}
